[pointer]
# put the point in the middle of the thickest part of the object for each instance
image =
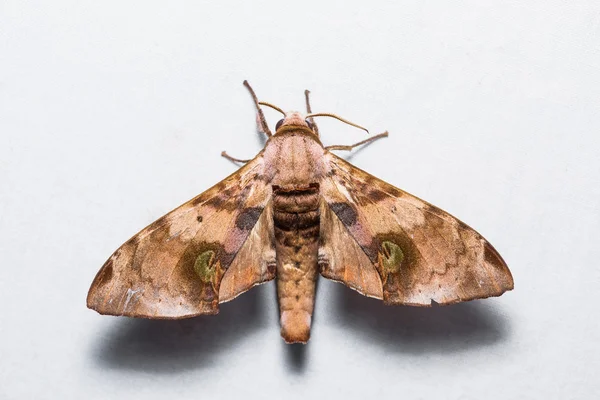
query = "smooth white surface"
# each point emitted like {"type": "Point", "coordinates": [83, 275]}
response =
{"type": "Point", "coordinates": [112, 113]}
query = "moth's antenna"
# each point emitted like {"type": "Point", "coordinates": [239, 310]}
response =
{"type": "Point", "coordinates": [309, 110]}
{"type": "Point", "coordinates": [338, 118]}
{"type": "Point", "coordinates": [264, 103]}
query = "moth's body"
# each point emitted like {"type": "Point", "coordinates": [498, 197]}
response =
{"type": "Point", "coordinates": [294, 166]}
{"type": "Point", "coordinates": [293, 212]}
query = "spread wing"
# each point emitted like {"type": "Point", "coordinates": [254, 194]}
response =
{"type": "Point", "coordinates": [419, 252]}
{"type": "Point", "coordinates": [175, 267]}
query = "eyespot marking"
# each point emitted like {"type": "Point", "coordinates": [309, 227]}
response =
{"type": "Point", "coordinates": [204, 266]}
{"type": "Point", "coordinates": [392, 256]}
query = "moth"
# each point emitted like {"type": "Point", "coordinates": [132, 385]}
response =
{"type": "Point", "coordinates": [292, 213]}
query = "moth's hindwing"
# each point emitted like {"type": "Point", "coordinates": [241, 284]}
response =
{"type": "Point", "coordinates": [255, 262]}
{"type": "Point", "coordinates": [342, 259]}
{"type": "Point", "coordinates": [419, 252]}
{"type": "Point", "coordinates": [175, 267]}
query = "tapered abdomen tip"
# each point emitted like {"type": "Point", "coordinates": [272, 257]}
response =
{"type": "Point", "coordinates": [295, 326]}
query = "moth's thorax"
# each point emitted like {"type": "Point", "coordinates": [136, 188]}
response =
{"type": "Point", "coordinates": [294, 156]}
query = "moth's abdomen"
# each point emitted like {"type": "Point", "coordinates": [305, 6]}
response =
{"type": "Point", "coordinates": [296, 219]}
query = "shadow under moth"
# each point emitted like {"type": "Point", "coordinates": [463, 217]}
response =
{"type": "Point", "coordinates": [293, 212]}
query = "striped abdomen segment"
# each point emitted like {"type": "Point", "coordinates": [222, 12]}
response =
{"type": "Point", "coordinates": [296, 220]}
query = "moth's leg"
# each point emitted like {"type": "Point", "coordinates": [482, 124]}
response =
{"type": "Point", "coordinates": [350, 147]}
{"type": "Point", "coordinates": [261, 117]}
{"type": "Point", "coordinates": [309, 110]}
{"type": "Point", "coordinates": [227, 156]}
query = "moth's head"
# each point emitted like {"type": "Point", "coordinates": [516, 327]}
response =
{"type": "Point", "coordinates": [294, 118]}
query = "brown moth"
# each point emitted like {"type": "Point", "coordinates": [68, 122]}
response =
{"type": "Point", "coordinates": [291, 213]}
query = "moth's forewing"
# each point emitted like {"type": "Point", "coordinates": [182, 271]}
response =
{"type": "Point", "coordinates": [174, 267]}
{"type": "Point", "coordinates": [420, 252]}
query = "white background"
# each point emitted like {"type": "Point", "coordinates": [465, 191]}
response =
{"type": "Point", "coordinates": [112, 113]}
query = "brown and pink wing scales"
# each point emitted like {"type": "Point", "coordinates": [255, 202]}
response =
{"type": "Point", "coordinates": [342, 259]}
{"type": "Point", "coordinates": [420, 252]}
{"type": "Point", "coordinates": [255, 262]}
{"type": "Point", "coordinates": [174, 267]}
